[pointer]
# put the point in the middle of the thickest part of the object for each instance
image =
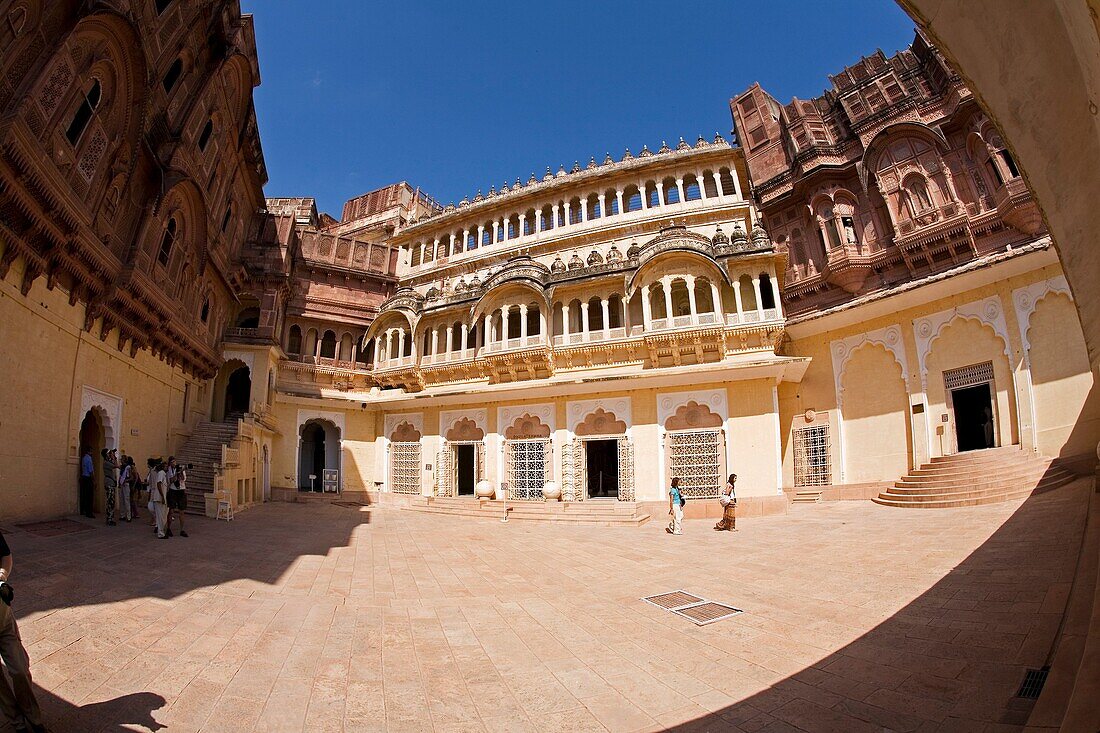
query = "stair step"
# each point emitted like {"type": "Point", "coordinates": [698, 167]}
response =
{"type": "Point", "coordinates": [973, 478]}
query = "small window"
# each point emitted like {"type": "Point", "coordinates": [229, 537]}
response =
{"type": "Point", "coordinates": [83, 114]}
{"type": "Point", "coordinates": [204, 137]}
{"type": "Point", "coordinates": [225, 219]}
{"type": "Point", "coordinates": [162, 5]}
{"type": "Point", "coordinates": [205, 313]}
{"type": "Point", "coordinates": [172, 75]}
{"type": "Point", "coordinates": [849, 229]}
{"type": "Point", "coordinates": [166, 242]}
{"type": "Point", "coordinates": [1010, 163]}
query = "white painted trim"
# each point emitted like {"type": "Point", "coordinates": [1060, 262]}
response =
{"type": "Point", "coordinates": [448, 418]}
{"type": "Point", "coordinates": [111, 408]}
{"type": "Point", "coordinates": [1026, 301]}
{"type": "Point", "coordinates": [988, 311]}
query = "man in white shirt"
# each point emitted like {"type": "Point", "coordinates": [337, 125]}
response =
{"type": "Point", "coordinates": [158, 496]}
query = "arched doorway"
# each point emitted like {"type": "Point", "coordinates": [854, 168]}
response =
{"type": "Point", "coordinates": [238, 392]}
{"type": "Point", "coordinates": [318, 453]}
{"type": "Point", "coordinates": [93, 439]}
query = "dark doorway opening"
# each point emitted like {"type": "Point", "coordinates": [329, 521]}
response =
{"type": "Point", "coordinates": [602, 468]}
{"type": "Point", "coordinates": [464, 461]}
{"type": "Point", "coordinates": [92, 438]}
{"type": "Point", "coordinates": [312, 459]}
{"type": "Point", "coordinates": [238, 391]}
{"type": "Point", "coordinates": [974, 429]}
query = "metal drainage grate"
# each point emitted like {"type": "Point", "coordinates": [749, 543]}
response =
{"type": "Point", "coordinates": [707, 612]}
{"type": "Point", "coordinates": [671, 601]}
{"type": "Point", "coordinates": [1034, 679]}
{"type": "Point", "coordinates": [349, 503]}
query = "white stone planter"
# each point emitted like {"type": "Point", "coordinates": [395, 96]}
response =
{"type": "Point", "coordinates": [484, 490]}
{"type": "Point", "coordinates": [551, 491]}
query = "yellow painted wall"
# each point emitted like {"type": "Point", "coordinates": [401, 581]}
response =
{"type": "Point", "coordinates": [876, 424]}
{"type": "Point", "coordinates": [1067, 402]}
{"type": "Point", "coordinates": [45, 361]}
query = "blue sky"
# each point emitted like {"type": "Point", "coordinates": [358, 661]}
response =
{"type": "Point", "coordinates": [458, 96]}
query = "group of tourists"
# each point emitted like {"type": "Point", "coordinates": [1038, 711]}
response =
{"type": "Point", "coordinates": [164, 489]}
{"type": "Point", "coordinates": [728, 500]}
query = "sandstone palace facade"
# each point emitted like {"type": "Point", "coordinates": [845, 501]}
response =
{"type": "Point", "coordinates": [847, 288]}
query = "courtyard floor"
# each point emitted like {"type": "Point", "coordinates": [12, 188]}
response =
{"type": "Point", "coordinates": [325, 618]}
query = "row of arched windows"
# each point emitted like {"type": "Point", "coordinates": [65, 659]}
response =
{"type": "Point", "coordinates": [652, 193]}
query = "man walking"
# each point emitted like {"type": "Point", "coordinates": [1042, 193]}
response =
{"type": "Point", "coordinates": [87, 482]}
{"type": "Point", "coordinates": [158, 498]}
{"type": "Point", "coordinates": [17, 700]}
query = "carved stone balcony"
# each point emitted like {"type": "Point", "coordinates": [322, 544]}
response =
{"type": "Point", "coordinates": [239, 335]}
{"type": "Point", "coordinates": [525, 357]}
{"type": "Point", "coordinates": [321, 371]}
{"type": "Point", "coordinates": [1016, 206]}
{"type": "Point", "coordinates": [848, 267]}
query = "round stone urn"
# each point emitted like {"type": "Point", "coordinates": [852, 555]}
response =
{"type": "Point", "coordinates": [483, 490]}
{"type": "Point", "coordinates": [551, 491]}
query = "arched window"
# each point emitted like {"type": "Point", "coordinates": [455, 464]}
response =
{"type": "Point", "coordinates": [172, 75]}
{"type": "Point", "coordinates": [917, 197]}
{"type": "Point", "coordinates": [225, 218]}
{"type": "Point", "coordinates": [767, 297]}
{"type": "Point", "coordinates": [164, 256]}
{"type": "Point", "coordinates": [328, 345]}
{"type": "Point", "coordinates": [162, 5]}
{"type": "Point", "coordinates": [691, 188]}
{"type": "Point", "coordinates": [84, 113]}
{"type": "Point", "coordinates": [672, 193]}
{"type": "Point", "coordinates": [204, 314]}
{"type": "Point", "coordinates": [611, 201]}
{"type": "Point", "coordinates": [204, 136]}
{"type": "Point", "coordinates": [294, 341]}
{"type": "Point", "coordinates": [632, 199]}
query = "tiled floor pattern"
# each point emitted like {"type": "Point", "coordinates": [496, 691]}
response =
{"type": "Point", "coordinates": [321, 618]}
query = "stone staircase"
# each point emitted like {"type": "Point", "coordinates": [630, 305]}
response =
{"type": "Point", "coordinates": [973, 478]}
{"type": "Point", "coordinates": [806, 496]}
{"type": "Point", "coordinates": [591, 513]}
{"type": "Point", "coordinates": [204, 449]}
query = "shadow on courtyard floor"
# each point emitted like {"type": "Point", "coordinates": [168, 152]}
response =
{"type": "Point", "coordinates": [109, 564]}
{"type": "Point", "coordinates": [122, 714]}
{"type": "Point", "coordinates": [952, 659]}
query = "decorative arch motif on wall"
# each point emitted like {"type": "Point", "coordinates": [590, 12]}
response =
{"type": "Point", "coordinates": [405, 433]}
{"type": "Point", "coordinates": [465, 430]}
{"type": "Point", "coordinates": [693, 416]}
{"type": "Point", "coordinates": [336, 418]}
{"type": "Point", "coordinates": [578, 412]}
{"type": "Point", "coordinates": [600, 422]}
{"type": "Point", "coordinates": [669, 403]}
{"type": "Point", "coordinates": [889, 338]}
{"type": "Point", "coordinates": [526, 427]}
{"type": "Point", "coordinates": [928, 329]}
{"type": "Point", "coordinates": [415, 420]}
{"type": "Point", "coordinates": [507, 417]}
{"type": "Point", "coordinates": [464, 423]}
{"type": "Point", "coordinates": [109, 409]}
{"type": "Point", "coordinates": [1026, 300]}
{"type": "Point", "coordinates": [245, 357]}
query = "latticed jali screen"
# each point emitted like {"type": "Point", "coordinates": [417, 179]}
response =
{"type": "Point", "coordinates": [405, 468]}
{"type": "Point", "coordinates": [968, 376]}
{"type": "Point", "coordinates": [695, 459]}
{"type": "Point", "coordinates": [811, 456]}
{"type": "Point", "coordinates": [528, 467]}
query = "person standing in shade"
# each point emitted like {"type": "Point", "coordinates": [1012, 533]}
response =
{"type": "Point", "coordinates": [17, 700]}
{"type": "Point", "coordinates": [728, 500]}
{"type": "Point", "coordinates": [87, 482]}
{"type": "Point", "coordinates": [675, 508]}
{"type": "Point", "coordinates": [124, 480]}
{"type": "Point", "coordinates": [158, 499]}
{"type": "Point", "coordinates": [177, 499]}
{"type": "Point", "coordinates": [110, 483]}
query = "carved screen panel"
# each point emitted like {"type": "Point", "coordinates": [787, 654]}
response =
{"type": "Point", "coordinates": [405, 468]}
{"type": "Point", "coordinates": [444, 465]}
{"type": "Point", "coordinates": [527, 463]}
{"type": "Point", "coordinates": [573, 474]}
{"type": "Point", "coordinates": [626, 470]}
{"type": "Point", "coordinates": [811, 456]}
{"type": "Point", "coordinates": [695, 457]}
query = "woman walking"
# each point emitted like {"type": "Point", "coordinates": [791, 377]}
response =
{"type": "Point", "coordinates": [675, 508]}
{"type": "Point", "coordinates": [728, 500]}
{"type": "Point", "coordinates": [124, 488]}
{"type": "Point", "coordinates": [110, 482]}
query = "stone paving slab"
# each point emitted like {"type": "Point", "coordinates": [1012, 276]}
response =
{"type": "Point", "coordinates": [305, 617]}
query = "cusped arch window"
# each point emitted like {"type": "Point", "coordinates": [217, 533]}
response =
{"type": "Point", "coordinates": [294, 340]}
{"type": "Point", "coordinates": [918, 199]}
{"type": "Point", "coordinates": [84, 112]}
{"type": "Point", "coordinates": [167, 242]}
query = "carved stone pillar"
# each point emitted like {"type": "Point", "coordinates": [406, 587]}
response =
{"type": "Point", "coordinates": [584, 320]}
{"type": "Point", "coordinates": [647, 310]}
{"type": "Point", "coordinates": [606, 318]}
